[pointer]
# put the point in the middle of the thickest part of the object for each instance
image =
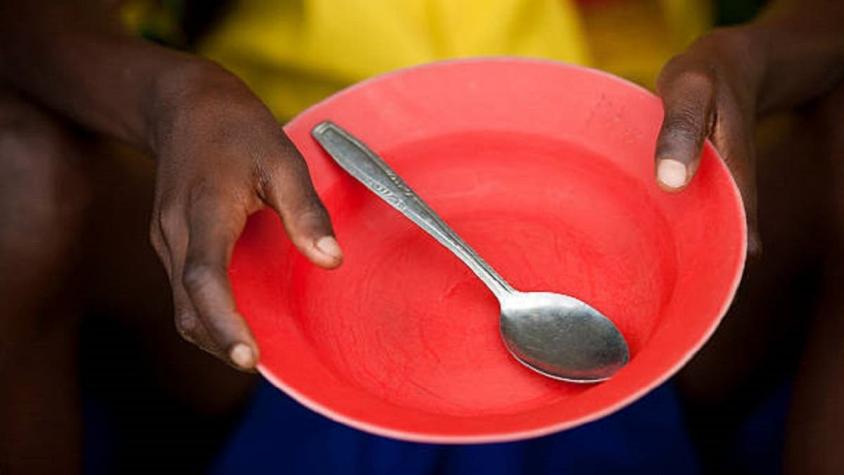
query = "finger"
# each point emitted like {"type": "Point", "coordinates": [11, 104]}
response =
{"type": "Point", "coordinates": [688, 97]}
{"type": "Point", "coordinates": [734, 140]}
{"type": "Point", "coordinates": [214, 225]}
{"type": "Point", "coordinates": [190, 327]}
{"type": "Point", "coordinates": [169, 239]}
{"type": "Point", "coordinates": [287, 189]}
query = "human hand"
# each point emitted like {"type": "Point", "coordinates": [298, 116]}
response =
{"type": "Point", "coordinates": [726, 80]}
{"type": "Point", "coordinates": [222, 156]}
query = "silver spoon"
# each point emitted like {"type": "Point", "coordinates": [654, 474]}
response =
{"type": "Point", "coordinates": [553, 334]}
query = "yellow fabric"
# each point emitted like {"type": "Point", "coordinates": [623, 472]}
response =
{"type": "Point", "coordinates": [133, 14]}
{"type": "Point", "coordinates": [295, 52]}
{"type": "Point", "coordinates": [634, 39]}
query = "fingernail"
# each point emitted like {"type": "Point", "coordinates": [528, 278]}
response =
{"type": "Point", "coordinates": [328, 246]}
{"type": "Point", "coordinates": [242, 356]}
{"type": "Point", "coordinates": [671, 173]}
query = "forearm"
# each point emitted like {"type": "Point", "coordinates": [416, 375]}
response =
{"type": "Point", "coordinates": [77, 60]}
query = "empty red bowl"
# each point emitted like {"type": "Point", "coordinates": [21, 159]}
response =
{"type": "Point", "coordinates": [547, 170]}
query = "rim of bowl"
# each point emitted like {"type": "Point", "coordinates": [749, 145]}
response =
{"type": "Point", "coordinates": [434, 438]}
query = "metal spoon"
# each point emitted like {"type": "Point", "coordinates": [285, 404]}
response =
{"type": "Point", "coordinates": [553, 334]}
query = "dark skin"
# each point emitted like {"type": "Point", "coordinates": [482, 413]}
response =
{"type": "Point", "coordinates": [220, 155]}
{"type": "Point", "coordinates": [726, 80]}
{"type": "Point", "coordinates": [791, 57]}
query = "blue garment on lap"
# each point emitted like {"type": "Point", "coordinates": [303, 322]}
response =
{"type": "Point", "coordinates": [277, 435]}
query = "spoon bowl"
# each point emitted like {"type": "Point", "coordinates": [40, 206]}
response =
{"type": "Point", "coordinates": [561, 337]}
{"type": "Point", "coordinates": [556, 335]}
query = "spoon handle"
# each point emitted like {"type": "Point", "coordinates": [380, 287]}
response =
{"type": "Point", "coordinates": [368, 168]}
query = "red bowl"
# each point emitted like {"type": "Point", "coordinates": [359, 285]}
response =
{"type": "Point", "coordinates": [547, 170]}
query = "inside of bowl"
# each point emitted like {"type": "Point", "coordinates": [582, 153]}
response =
{"type": "Point", "coordinates": [403, 318]}
{"type": "Point", "coordinates": [403, 340]}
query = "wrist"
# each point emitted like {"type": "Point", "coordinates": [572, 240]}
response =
{"type": "Point", "coordinates": [188, 94]}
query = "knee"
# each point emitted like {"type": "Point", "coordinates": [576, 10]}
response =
{"type": "Point", "coordinates": [43, 196]}
{"type": "Point", "coordinates": [42, 187]}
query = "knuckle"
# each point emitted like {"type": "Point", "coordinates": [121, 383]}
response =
{"type": "Point", "coordinates": [157, 241]}
{"type": "Point", "coordinates": [198, 275]}
{"type": "Point", "coordinates": [262, 176]}
{"type": "Point", "coordinates": [318, 215]}
{"type": "Point", "coordinates": [285, 161]}
{"type": "Point", "coordinates": [208, 197]}
{"type": "Point", "coordinates": [683, 121]}
{"type": "Point", "coordinates": [700, 80]}
{"type": "Point", "coordinates": [687, 73]}
{"type": "Point", "coordinates": [169, 219]}
{"type": "Point", "coordinates": [186, 326]}
{"type": "Point", "coordinates": [165, 224]}
{"type": "Point", "coordinates": [683, 124]}
{"type": "Point", "coordinates": [155, 234]}
{"type": "Point", "coordinates": [288, 180]}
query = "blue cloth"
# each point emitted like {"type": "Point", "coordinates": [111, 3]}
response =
{"type": "Point", "coordinates": [760, 441]}
{"type": "Point", "coordinates": [278, 435]}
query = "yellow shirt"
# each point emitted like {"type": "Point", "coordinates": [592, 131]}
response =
{"type": "Point", "coordinates": [293, 53]}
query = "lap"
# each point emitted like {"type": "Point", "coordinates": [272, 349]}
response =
{"type": "Point", "coordinates": [43, 204]}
